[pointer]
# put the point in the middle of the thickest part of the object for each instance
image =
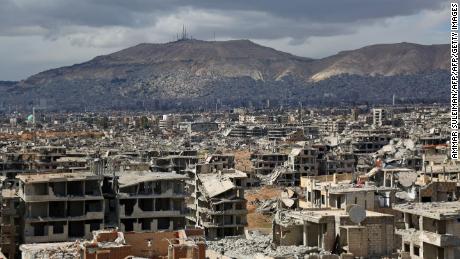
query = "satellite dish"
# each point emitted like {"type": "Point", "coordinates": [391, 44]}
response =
{"type": "Point", "coordinates": [356, 213]}
{"type": "Point", "coordinates": [407, 179]}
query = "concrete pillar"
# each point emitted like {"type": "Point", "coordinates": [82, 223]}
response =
{"type": "Point", "coordinates": [406, 220]}
{"type": "Point", "coordinates": [305, 233]}
{"type": "Point", "coordinates": [420, 223]}
{"type": "Point", "coordinates": [385, 179]}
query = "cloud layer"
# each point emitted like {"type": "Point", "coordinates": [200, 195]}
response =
{"type": "Point", "coordinates": [35, 35]}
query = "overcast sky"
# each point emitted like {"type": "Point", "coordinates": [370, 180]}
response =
{"type": "Point", "coordinates": [36, 35]}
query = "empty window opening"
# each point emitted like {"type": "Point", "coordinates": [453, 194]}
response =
{"type": "Point", "coordinates": [146, 204]}
{"type": "Point", "coordinates": [57, 209]}
{"type": "Point", "coordinates": [128, 224]}
{"type": "Point", "coordinates": [163, 223]}
{"type": "Point", "coordinates": [40, 229]}
{"type": "Point", "coordinates": [75, 188]}
{"type": "Point", "coordinates": [58, 188]}
{"type": "Point", "coordinates": [58, 227]}
{"type": "Point", "coordinates": [76, 229]}
{"type": "Point", "coordinates": [146, 224]}
{"type": "Point", "coordinates": [92, 188]}
{"type": "Point", "coordinates": [75, 208]}
{"type": "Point", "coordinates": [162, 204]}
{"type": "Point", "coordinates": [129, 206]}
{"type": "Point", "coordinates": [38, 209]}
{"type": "Point", "coordinates": [93, 206]}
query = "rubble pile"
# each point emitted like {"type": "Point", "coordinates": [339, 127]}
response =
{"type": "Point", "coordinates": [266, 206]}
{"type": "Point", "coordinates": [256, 243]}
{"type": "Point", "coordinates": [53, 251]}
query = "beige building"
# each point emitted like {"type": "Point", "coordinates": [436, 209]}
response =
{"type": "Point", "coordinates": [337, 191]}
{"type": "Point", "coordinates": [61, 206]}
{"type": "Point", "coordinates": [332, 230]}
{"type": "Point", "coordinates": [303, 161]}
{"type": "Point", "coordinates": [265, 163]}
{"type": "Point", "coordinates": [431, 230]}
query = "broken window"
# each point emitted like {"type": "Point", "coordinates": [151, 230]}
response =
{"type": "Point", "coordinates": [58, 188]}
{"type": "Point", "coordinates": [76, 229]}
{"type": "Point", "coordinates": [39, 189]}
{"type": "Point", "coordinates": [145, 224]}
{"type": "Point", "coordinates": [38, 209]}
{"type": "Point", "coordinates": [228, 220]}
{"type": "Point", "coordinates": [145, 188]}
{"type": "Point", "coordinates": [129, 205]}
{"type": "Point", "coordinates": [163, 223]}
{"type": "Point", "coordinates": [93, 206]}
{"type": "Point", "coordinates": [128, 224]}
{"type": "Point", "coordinates": [146, 204]}
{"type": "Point", "coordinates": [57, 209]}
{"type": "Point", "coordinates": [162, 204]}
{"type": "Point", "coordinates": [157, 187]}
{"type": "Point", "coordinates": [58, 227]}
{"type": "Point", "coordinates": [39, 229]}
{"type": "Point", "coordinates": [178, 188]}
{"type": "Point", "coordinates": [92, 188]}
{"type": "Point", "coordinates": [75, 208]}
{"type": "Point", "coordinates": [406, 247]}
{"type": "Point", "coordinates": [94, 224]}
{"type": "Point", "coordinates": [75, 188]}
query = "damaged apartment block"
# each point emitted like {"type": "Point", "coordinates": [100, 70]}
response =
{"type": "Point", "coordinates": [216, 200]}
{"type": "Point", "coordinates": [431, 230]}
{"type": "Point", "coordinates": [365, 234]}
{"type": "Point", "coordinates": [149, 201]}
{"type": "Point", "coordinates": [61, 206]}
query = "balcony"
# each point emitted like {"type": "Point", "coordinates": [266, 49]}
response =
{"type": "Point", "coordinates": [439, 240]}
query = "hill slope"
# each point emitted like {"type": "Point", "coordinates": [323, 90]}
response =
{"type": "Point", "coordinates": [193, 73]}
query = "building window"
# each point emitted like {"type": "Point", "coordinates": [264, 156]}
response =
{"type": "Point", "coordinates": [406, 247]}
{"type": "Point", "coordinates": [416, 250]}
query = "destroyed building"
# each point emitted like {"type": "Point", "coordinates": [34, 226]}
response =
{"type": "Point", "coordinates": [227, 160]}
{"type": "Point", "coordinates": [338, 191]}
{"type": "Point", "coordinates": [364, 234]}
{"type": "Point", "coordinates": [431, 230]}
{"type": "Point", "coordinates": [61, 206]}
{"type": "Point", "coordinates": [303, 161]}
{"type": "Point", "coordinates": [149, 201]}
{"type": "Point", "coordinates": [265, 163]}
{"type": "Point", "coordinates": [174, 162]}
{"type": "Point", "coordinates": [217, 201]}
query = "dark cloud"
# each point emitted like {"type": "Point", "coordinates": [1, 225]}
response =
{"type": "Point", "coordinates": [40, 34]}
{"type": "Point", "coordinates": [295, 18]}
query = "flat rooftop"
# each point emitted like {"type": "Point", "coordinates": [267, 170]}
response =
{"type": "Point", "coordinates": [130, 178]}
{"type": "Point", "coordinates": [434, 210]}
{"type": "Point", "coordinates": [320, 215]}
{"type": "Point", "coordinates": [57, 177]}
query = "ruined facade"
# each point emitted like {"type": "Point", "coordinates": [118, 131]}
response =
{"type": "Point", "coordinates": [61, 206]}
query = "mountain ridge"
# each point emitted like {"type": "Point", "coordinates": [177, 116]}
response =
{"type": "Point", "coordinates": [195, 69]}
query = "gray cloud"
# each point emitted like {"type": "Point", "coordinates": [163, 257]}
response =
{"type": "Point", "coordinates": [297, 18]}
{"type": "Point", "coordinates": [35, 35]}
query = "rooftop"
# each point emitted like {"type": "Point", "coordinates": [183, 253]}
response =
{"type": "Point", "coordinates": [134, 177]}
{"type": "Point", "coordinates": [57, 177]}
{"type": "Point", "coordinates": [434, 210]}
